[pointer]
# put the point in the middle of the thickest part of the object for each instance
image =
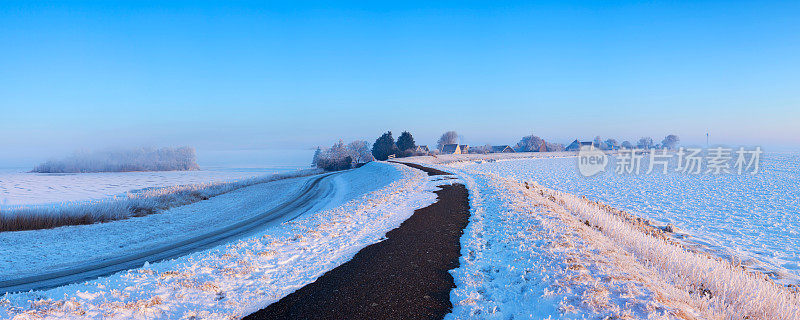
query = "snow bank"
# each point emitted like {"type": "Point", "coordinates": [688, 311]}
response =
{"type": "Point", "coordinates": [236, 279]}
{"type": "Point", "coordinates": [73, 245]}
{"type": "Point", "coordinates": [752, 218]}
{"type": "Point", "coordinates": [533, 252]}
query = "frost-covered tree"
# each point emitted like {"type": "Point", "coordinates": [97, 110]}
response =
{"type": "Point", "coordinates": [317, 156]}
{"type": "Point", "coordinates": [360, 151]}
{"type": "Point", "coordinates": [384, 146]}
{"type": "Point", "coordinates": [554, 147]}
{"type": "Point", "coordinates": [405, 143]}
{"type": "Point", "coordinates": [449, 137]}
{"type": "Point", "coordinates": [598, 142]}
{"type": "Point", "coordinates": [645, 143]}
{"type": "Point", "coordinates": [670, 142]}
{"type": "Point", "coordinates": [610, 144]}
{"type": "Point", "coordinates": [626, 144]}
{"type": "Point", "coordinates": [141, 159]}
{"type": "Point", "coordinates": [341, 157]}
{"type": "Point", "coordinates": [529, 143]}
{"type": "Point", "coordinates": [337, 157]}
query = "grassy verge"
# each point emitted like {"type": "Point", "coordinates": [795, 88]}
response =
{"type": "Point", "coordinates": [133, 204]}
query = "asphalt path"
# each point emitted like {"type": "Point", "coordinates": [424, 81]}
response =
{"type": "Point", "coordinates": [405, 276]}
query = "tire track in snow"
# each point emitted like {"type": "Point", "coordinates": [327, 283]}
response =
{"type": "Point", "coordinates": [308, 197]}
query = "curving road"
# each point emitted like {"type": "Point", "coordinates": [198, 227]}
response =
{"type": "Point", "coordinates": [315, 193]}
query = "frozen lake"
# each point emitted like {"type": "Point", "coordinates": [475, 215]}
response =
{"type": "Point", "coordinates": [19, 187]}
{"type": "Point", "coordinates": [751, 217]}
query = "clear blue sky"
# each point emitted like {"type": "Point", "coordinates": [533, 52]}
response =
{"type": "Point", "coordinates": [277, 75]}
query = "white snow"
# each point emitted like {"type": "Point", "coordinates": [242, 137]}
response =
{"type": "Point", "coordinates": [752, 218]}
{"type": "Point", "coordinates": [235, 279]}
{"type": "Point", "coordinates": [533, 252]}
{"type": "Point", "coordinates": [22, 251]}
{"type": "Point", "coordinates": [24, 188]}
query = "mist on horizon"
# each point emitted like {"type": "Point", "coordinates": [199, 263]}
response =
{"type": "Point", "coordinates": [263, 78]}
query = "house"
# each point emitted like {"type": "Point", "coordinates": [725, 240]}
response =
{"type": "Point", "coordinates": [464, 148]}
{"type": "Point", "coordinates": [422, 149]}
{"type": "Point", "coordinates": [577, 145]}
{"type": "Point", "coordinates": [451, 149]}
{"type": "Point", "coordinates": [502, 149]}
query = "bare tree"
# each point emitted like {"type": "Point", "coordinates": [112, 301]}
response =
{"type": "Point", "coordinates": [598, 143]}
{"type": "Point", "coordinates": [670, 142]}
{"type": "Point", "coordinates": [337, 157]}
{"type": "Point", "coordinates": [360, 151]}
{"type": "Point", "coordinates": [449, 137]}
{"type": "Point", "coordinates": [317, 157]}
{"type": "Point", "coordinates": [529, 143]}
{"type": "Point", "coordinates": [645, 143]}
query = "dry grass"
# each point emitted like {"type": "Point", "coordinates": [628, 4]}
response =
{"type": "Point", "coordinates": [134, 204]}
{"type": "Point", "coordinates": [711, 283]}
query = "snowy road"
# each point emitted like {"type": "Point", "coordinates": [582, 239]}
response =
{"type": "Point", "coordinates": [315, 193]}
{"type": "Point", "coordinates": [232, 279]}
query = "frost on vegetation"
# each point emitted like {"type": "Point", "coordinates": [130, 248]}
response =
{"type": "Point", "coordinates": [534, 252]}
{"type": "Point", "coordinates": [239, 278]}
{"type": "Point", "coordinates": [142, 159]}
{"type": "Point", "coordinates": [713, 286]}
{"type": "Point", "coordinates": [520, 262]}
{"type": "Point", "coordinates": [132, 204]}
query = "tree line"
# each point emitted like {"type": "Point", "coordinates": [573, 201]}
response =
{"type": "Point", "coordinates": [341, 156]}
{"type": "Point", "coordinates": [669, 142]}
{"type": "Point", "coordinates": [139, 159]}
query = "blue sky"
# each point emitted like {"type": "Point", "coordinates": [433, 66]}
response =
{"type": "Point", "coordinates": [287, 75]}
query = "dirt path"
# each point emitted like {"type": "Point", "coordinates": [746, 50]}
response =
{"type": "Point", "coordinates": [404, 277]}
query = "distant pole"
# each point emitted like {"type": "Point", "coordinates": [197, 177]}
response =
{"type": "Point", "coordinates": [706, 139]}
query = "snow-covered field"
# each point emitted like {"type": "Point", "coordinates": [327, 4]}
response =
{"type": "Point", "coordinates": [22, 188]}
{"type": "Point", "coordinates": [755, 218]}
{"type": "Point", "coordinates": [22, 251]}
{"type": "Point", "coordinates": [536, 248]}
{"type": "Point", "coordinates": [238, 278]}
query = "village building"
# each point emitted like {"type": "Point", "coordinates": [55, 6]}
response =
{"type": "Point", "coordinates": [577, 145]}
{"type": "Point", "coordinates": [451, 149]}
{"type": "Point", "coordinates": [502, 149]}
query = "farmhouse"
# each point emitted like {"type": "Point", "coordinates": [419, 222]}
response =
{"type": "Point", "coordinates": [451, 149]}
{"type": "Point", "coordinates": [577, 145]}
{"type": "Point", "coordinates": [464, 148]}
{"type": "Point", "coordinates": [422, 149]}
{"type": "Point", "coordinates": [502, 149]}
